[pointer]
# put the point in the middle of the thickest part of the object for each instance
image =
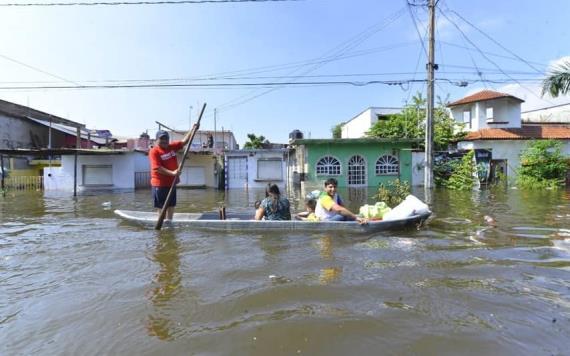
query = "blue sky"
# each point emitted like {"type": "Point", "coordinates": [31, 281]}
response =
{"type": "Point", "coordinates": [87, 45]}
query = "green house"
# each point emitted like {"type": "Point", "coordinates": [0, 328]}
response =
{"type": "Point", "coordinates": [359, 162]}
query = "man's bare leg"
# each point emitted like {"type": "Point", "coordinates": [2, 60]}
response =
{"type": "Point", "coordinates": [170, 213]}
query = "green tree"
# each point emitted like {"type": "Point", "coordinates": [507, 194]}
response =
{"type": "Point", "coordinates": [255, 142]}
{"type": "Point", "coordinates": [542, 165]}
{"type": "Point", "coordinates": [410, 123]}
{"type": "Point", "coordinates": [337, 131]}
{"type": "Point", "coordinates": [558, 80]}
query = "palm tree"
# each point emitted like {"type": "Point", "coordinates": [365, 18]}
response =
{"type": "Point", "coordinates": [255, 141]}
{"type": "Point", "coordinates": [558, 80]}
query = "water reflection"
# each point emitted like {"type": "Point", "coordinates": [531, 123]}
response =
{"type": "Point", "coordinates": [166, 285]}
{"type": "Point", "coordinates": [328, 274]}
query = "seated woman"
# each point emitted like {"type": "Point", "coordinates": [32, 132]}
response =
{"type": "Point", "coordinates": [274, 206]}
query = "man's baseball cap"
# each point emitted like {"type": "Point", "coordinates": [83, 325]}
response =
{"type": "Point", "coordinates": [162, 133]}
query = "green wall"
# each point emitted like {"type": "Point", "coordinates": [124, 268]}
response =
{"type": "Point", "coordinates": [343, 151]}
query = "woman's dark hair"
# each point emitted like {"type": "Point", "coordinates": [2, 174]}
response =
{"type": "Point", "coordinates": [273, 191]}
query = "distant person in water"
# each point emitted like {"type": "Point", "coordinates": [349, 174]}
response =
{"type": "Point", "coordinates": [274, 206]}
{"type": "Point", "coordinates": [164, 170]}
{"type": "Point", "coordinates": [330, 206]}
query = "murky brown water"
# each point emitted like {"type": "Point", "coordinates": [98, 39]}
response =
{"type": "Point", "coordinates": [74, 279]}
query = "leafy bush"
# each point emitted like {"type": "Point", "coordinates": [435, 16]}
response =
{"type": "Point", "coordinates": [463, 176]}
{"type": "Point", "coordinates": [456, 174]}
{"type": "Point", "coordinates": [542, 165]}
{"type": "Point", "coordinates": [393, 192]}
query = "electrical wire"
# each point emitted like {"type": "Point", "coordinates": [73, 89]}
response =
{"type": "Point", "coordinates": [334, 54]}
{"type": "Point", "coordinates": [486, 57]}
{"type": "Point", "coordinates": [393, 82]}
{"type": "Point", "coordinates": [121, 3]}
{"type": "Point", "coordinates": [497, 42]}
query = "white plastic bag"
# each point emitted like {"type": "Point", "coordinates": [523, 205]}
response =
{"type": "Point", "coordinates": [410, 206]}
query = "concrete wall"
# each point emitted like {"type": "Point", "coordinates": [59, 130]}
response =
{"type": "Point", "coordinates": [142, 164]}
{"type": "Point", "coordinates": [222, 140]}
{"type": "Point", "coordinates": [207, 162]}
{"type": "Point", "coordinates": [22, 133]}
{"type": "Point", "coordinates": [61, 178]}
{"type": "Point", "coordinates": [509, 150]}
{"type": "Point", "coordinates": [358, 126]}
{"type": "Point", "coordinates": [369, 151]}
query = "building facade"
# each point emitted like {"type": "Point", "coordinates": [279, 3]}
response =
{"type": "Point", "coordinates": [364, 162]}
{"type": "Point", "coordinates": [493, 122]}
{"type": "Point", "coordinates": [255, 168]}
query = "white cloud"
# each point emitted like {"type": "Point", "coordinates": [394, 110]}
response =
{"type": "Point", "coordinates": [557, 62]}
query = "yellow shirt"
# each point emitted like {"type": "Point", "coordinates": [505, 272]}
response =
{"type": "Point", "coordinates": [312, 217]}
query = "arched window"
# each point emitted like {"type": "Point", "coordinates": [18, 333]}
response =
{"type": "Point", "coordinates": [328, 166]}
{"type": "Point", "coordinates": [387, 165]}
{"type": "Point", "coordinates": [356, 171]}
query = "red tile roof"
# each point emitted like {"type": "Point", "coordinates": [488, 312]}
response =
{"type": "Point", "coordinates": [482, 96]}
{"type": "Point", "coordinates": [523, 133]}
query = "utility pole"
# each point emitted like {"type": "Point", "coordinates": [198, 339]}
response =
{"type": "Point", "coordinates": [428, 177]}
{"type": "Point", "coordinates": [190, 118]}
{"type": "Point", "coordinates": [215, 114]}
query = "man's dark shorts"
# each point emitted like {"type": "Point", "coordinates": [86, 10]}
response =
{"type": "Point", "coordinates": [159, 195]}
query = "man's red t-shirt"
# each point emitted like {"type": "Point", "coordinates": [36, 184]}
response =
{"type": "Point", "coordinates": [163, 158]}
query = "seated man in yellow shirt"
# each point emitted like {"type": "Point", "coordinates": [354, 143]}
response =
{"type": "Point", "coordinates": [330, 206]}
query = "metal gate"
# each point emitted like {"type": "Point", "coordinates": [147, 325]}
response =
{"type": "Point", "coordinates": [357, 171]}
{"type": "Point", "coordinates": [236, 172]}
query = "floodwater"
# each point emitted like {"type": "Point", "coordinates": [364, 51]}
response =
{"type": "Point", "coordinates": [74, 279]}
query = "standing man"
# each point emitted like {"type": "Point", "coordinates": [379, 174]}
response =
{"type": "Point", "coordinates": [330, 206]}
{"type": "Point", "coordinates": [164, 170]}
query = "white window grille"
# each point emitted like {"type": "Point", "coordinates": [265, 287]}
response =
{"type": "Point", "coordinates": [328, 166]}
{"type": "Point", "coordinates": [356, 171]}
{"type": "Point", "coordinates": [387, 165]}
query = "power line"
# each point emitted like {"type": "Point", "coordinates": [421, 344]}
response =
{"type": "Point", "coordinates": [496, 42]}
{"type": "Point", "coordinates": [37, 69]}
{"type": "Point", "coordinates": [487, 58]}
{"type": "Point", "coordinates": [121, 3]}
{"type": "Point", "coordinates": [416, 26]}
{"type": "Point", "coordinates": [451, 44]}
{"type": "Point", "coordinates": [392, 82]}
{"type": "Point", "coordinates": [335, 53]}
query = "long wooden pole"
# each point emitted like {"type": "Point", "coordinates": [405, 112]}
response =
{"type": "Point", "coordinates": [3, 172]}
{"type": "Point", "coordinates": [195, 128]}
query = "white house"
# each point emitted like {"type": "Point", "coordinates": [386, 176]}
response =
{"type": "Point", "coordinates": [96, 169]}
{"type": "Point", "coordinates": [361, 123]}
{"type": "Point", "coordinates": [557, 114]}
{"type": "Point", "coordinates": [493, 122]}
{"type": "Point", "coordinates": [255, 168]}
